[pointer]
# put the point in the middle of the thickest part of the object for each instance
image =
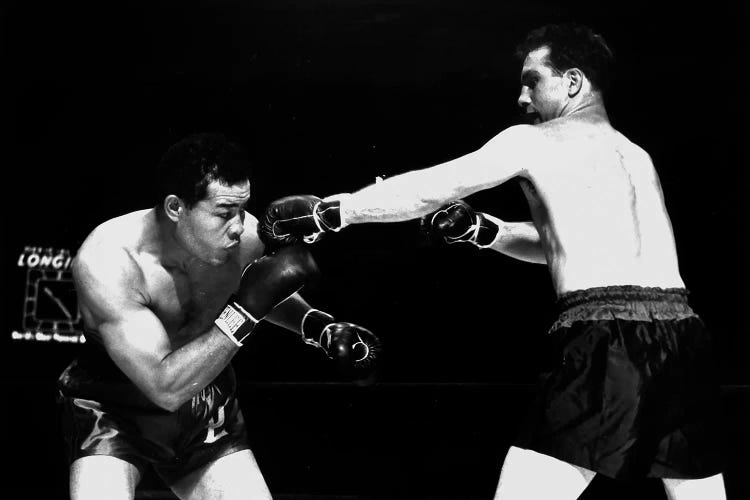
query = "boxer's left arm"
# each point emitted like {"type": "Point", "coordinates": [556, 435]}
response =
{"type": "Point", "coordinates": [289, 313]}
{"type": "Point", "coordinates": [516, 151]}
{"type": "Point", "coordinates": [353, 348]}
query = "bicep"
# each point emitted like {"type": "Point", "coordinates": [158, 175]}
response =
{"type": "Point", "coordinates": [137, 342]}
{"type": "Point", "coordinates": [131, 333]}
{"type": "Point", "coordinates": [505, 156]}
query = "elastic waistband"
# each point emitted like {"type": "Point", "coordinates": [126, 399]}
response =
{"type": "Point", "coordinates": [622, 294]}
{"type": "Point", "coordinates": [629, 302]}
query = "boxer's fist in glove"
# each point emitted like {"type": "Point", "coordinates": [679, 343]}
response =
{"type": "Point", "coordinates": [264, 284]}
{"type": "Point", "coordinates": [354, 349]}
{"type": "Point", "coordinates": [458, 222]}
{"type": "Point", "coordinates": [273, 278]}
{"type": "Point", "coordinates": [298, 218]}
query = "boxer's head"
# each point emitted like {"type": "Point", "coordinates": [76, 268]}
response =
{"type": "Point", "coordinates": [560, 63]}
{"type": "Point", "coordinates": [203, 183]}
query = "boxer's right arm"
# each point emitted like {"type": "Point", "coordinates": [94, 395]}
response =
{"type": "Point", "coordinates": [458, 222]}
{"type": "Point", "coordinates": [113, 299]}
{"type": "Point", "coordinates": [519, 240]}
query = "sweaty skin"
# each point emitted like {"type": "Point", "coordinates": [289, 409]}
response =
{"type": "Point", "coordinates": [599, 209]}
{"type": "Point", "coordinates": [597, 206]}
{"type": "Point", "coordinates": [152, 303]}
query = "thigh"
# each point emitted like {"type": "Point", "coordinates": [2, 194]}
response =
{"type": "Point", "coordinates": [101, 476]}
{"type": "Point", "coordinates": [528, 475]}
{"type": "Point", "coordinates": [233, 476]}
{"type": "Point", "coordinates": [695, 489]}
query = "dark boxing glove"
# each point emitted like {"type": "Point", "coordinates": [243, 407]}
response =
{"type": "Point", "coordinates": [298, 218]}
{"type": "Point", "coordinates": [458, 222]}
{"type": "Point", "coordinates": [354, 349]}
{"type": "Point", "coordinates": [265, 283]}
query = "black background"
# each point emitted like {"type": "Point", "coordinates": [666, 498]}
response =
{"type": "Point", "coordinates": [328, 94]}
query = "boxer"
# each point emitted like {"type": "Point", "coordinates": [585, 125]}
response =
{"type": "Point", "coordinates": [169, 295]}
{"type": "Point", "coordinates": [633, 392]}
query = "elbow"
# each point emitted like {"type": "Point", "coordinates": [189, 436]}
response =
{"type": "Point", "coordinates": [169, 402]}
{"type": "Point", "coordinates": [166, 398]}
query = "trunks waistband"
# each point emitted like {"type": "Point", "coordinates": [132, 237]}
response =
{"type": "Point", "coordinates": [627, 302]}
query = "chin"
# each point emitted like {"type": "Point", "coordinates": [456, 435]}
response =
{"type": "Point", "coordinates": [216, 259]}
{"type": "Point", "coordinates": [220, 260]}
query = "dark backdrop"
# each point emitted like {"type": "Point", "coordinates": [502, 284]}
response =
{"type": "Point", "coordinates": [328, 94]}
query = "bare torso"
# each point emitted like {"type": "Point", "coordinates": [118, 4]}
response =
{"type": "Point", "coordinates": [598, 206]}
{"type": "Point", "coordinates": [186, 299]}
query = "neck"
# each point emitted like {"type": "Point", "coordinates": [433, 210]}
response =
{"type": "Point", "coordinates": [171, 252]}
{"type": "Point", "coordinates": [589, 106]}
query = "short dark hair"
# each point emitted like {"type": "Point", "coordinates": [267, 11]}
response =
{"type": "Point", "coordinates": [190, 165]}
{"type": "Point", "coordinates": [573, 45]}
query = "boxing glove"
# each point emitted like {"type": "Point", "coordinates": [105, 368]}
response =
{"type": "Point", "coordinates": [298, 218]}
{"type": "Point", "coordinates": [265, 283]}
{"type": "Point", "coordinates": [353, 348]}
{"type": "Point", "coordinates": [457, 222]}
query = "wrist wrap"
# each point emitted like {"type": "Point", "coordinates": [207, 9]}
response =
{"type": "Point", "coordinates": [235, 322]}
{"type": "Point", "coordinates": [314, 325]}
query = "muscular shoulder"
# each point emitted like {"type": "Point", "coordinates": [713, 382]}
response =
{"type": "Point", "coordinates": [638, 153]}
{"type": "Point", "coordinates": [637, 160]}
{"type": "Point", "coordinates": [105, 263]}
{"type": "Point", "coordinates": [527, 147]}
{"type": "Point", "coordinates": [519, 136]}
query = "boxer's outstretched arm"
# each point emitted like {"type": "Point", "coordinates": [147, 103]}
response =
{"type": "Point", "coordinates": [419, 192]}
{"type": "Point", "coordinates": [519, 240]}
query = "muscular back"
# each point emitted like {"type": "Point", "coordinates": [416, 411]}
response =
{"type": "Point", "coordinates": [598, 205]}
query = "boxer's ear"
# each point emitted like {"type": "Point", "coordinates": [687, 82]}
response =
{"type": "Point", "coordinates": [574, 77]}
{"type": "Point", "coordinates": [173, 207]}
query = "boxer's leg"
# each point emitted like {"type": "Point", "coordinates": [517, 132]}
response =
{"type": "Point", "coordinates": [528, 475]}
{"type": "Point", "coordinates": [233, 476]}
{"type": "Point", "coordinates": [695, 489]}
{"type": "Point", "coordinates": [100, 476]}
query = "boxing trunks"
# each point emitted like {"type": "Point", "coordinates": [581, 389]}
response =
{"type": "Point", "coordinates": [631, 387]}
{"type": "Point", "coordinates": [103, 413]}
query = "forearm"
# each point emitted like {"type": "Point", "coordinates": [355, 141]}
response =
{"type": "Point", "coordinates": [519, 240]}
{"type": "Point", "coordinates": [400, 198]}
{"type": "Point", "coordinates": [296, 315]}
{"type": "Point", "coordinates": [420, 192]}
{"type": "Point", "coordinates": [185, 371]}
{"type": "Point", "coordinates": [289, 313]}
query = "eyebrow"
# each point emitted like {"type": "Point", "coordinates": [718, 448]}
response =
{"type": "Point", "coordinates": [228, 204]}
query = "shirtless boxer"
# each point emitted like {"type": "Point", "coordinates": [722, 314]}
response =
{"type": "Point", "coordinates": [633, 392]}
{"type": "Point", "coordinates": [169, 295]}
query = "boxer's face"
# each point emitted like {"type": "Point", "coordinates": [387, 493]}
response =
{"type": "Point", "coordinates": [211, 229]}
{"type": "Point", "coordinates": [543, 90]}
